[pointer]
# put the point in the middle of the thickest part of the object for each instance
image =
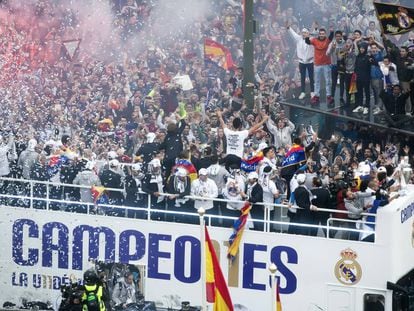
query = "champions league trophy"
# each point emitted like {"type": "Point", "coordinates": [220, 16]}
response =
{"type": "Point", "coordinates": [406, 171]}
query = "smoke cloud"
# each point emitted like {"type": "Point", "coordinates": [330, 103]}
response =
{"type": "Point", "coordinates": [97, 23]}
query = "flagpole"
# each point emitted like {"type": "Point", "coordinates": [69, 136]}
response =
{"type": "Point", "coordinates": [201, 211]}
{"type": "Point", "coordinates": [272, 270]}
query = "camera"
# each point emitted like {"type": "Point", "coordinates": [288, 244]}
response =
{"type": "Point", "coordinates": [71, 296]}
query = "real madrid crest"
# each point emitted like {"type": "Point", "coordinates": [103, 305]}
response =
{"type": "Point", "coordinates": [403, 18]}
{"type": "Point", "coordinates": [347, 270]}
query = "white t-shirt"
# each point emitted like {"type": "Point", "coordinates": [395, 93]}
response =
{"type": "Point", "coordinates": [269, 190]}
{"type": "Point", "coordinates": [235, 141]}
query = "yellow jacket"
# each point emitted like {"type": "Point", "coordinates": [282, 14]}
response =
{"type": "Point", "coordinates": [99, 294]}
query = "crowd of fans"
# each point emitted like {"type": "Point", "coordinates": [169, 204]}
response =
{"type": "Point", "coordinates": [120, 121]}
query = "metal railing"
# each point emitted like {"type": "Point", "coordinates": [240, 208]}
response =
{"type": "Point", "coordinates": [27, 198]}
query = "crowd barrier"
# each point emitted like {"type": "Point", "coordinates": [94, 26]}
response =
{"type": "Point", "coordinates": [278, 221]}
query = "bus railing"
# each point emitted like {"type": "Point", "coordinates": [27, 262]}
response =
{"type": "Point", "coordinates": [269, 224]}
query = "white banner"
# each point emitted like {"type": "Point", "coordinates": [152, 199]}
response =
{"type": "Point", "coordinates": [41, 250]}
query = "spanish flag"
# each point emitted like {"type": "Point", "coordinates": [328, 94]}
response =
{"type": "Point", "coordinates": [216, 287]}
{"type": "Point", "coordinates": [278, 301]}
{"type": "Point", "coordinates": [218, 54]}
{"type": "Point", "coordinates": [353, 84]}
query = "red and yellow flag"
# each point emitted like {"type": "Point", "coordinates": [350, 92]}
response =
{"type": "Point", "coordinates": [278, 301]}
{"type": "Point", "coordinates": [218, 54]}
{"type": "Point", "coordinates": [217, 291]}
{"type": "Point", "coordinates": [99, 195]}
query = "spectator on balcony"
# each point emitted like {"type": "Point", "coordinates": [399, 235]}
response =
{"type": "Point", "coordinates": [28, 158]}
{"type": "Point", "coordinates": [88, 178]}
{"type": "Point", "coordinates": [111, 178]}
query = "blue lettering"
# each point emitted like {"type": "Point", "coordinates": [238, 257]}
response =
{"type": "Point", "coordinates": [56, 282]}
{"type": "Point", "coordinates": [124, 243]}
{"type": "Point", "coordinates": [18, 242]}
{"type": "Point", "coordinates": [292, 257]}
{"type": "Point", "coordinates": [19, 279]}
{"type": "Point", "coordinates": [94, 233]}
{"type": "Point", "coordinates": [194, 259]}
{"type": "Point", "coordinates": [154, 254]}
{"type": "Point", "coordinates": [37, 280]}
{"type": "Point", "coordinates": [249, 265]}
{"type": "Point", "coordinates": [62, 246]}
{"type": "Point", "coordinates": [23, 280]}
{"type": "Point", "coordinates": [14, 279]}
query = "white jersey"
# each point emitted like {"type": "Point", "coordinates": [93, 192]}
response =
{"type": "Point", "coordinates": [206, 189]}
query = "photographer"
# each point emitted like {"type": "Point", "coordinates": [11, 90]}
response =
{"type": "Point", "coordinates": [93, 298]}
{"type": "Point", "coordinates": [71, 297]}
{"type": "Point", "coordinates": [124, 292]}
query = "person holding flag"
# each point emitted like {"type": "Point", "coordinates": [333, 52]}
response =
{"type": "Point", "coordinates": [294, 158]}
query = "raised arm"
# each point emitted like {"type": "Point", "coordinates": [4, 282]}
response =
{"type": "Point", "coordinates": [293, 33]}
{"type": "Point", "coordinates": [220, 117]}
{"type": "Point", "coordinates": [255, 127]}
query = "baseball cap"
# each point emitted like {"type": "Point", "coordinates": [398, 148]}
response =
{"type": "Point", "coordinates": [253, 175]}
{"type": "Point", "coordinates": [301, 178]}
{"type": "Point", "coordinates": [181, 172]}
{"type": "Point", "coordinates": [203, 171]}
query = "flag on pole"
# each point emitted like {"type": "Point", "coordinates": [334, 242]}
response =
{"type": "Point", "coordinates": [218, 54]}
{"type": "Point", "coordinates": [237, 234]}
{"type": "Point", "coordinates": [278, 301]}
{"type": "Point", "coordinates": [216, 287]}
{"type": "Point", "coordinates": [394, 19]}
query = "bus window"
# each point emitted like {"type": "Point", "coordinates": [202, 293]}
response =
{"type": "Point", "coordinates": [374, 302]}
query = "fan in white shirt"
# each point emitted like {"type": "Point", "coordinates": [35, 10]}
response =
{"type": "Point", "coordinates": [235, 138]}
{"type": "Point", "coordinates": [204, 187]}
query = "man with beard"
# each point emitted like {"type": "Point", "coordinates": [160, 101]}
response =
{"type": "Point", "coordinates": [322, 65]}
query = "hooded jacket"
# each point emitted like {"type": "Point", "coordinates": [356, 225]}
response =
{"type": "Point", "coordinates": [363, 65]}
